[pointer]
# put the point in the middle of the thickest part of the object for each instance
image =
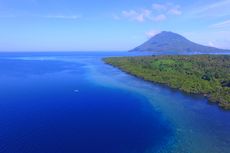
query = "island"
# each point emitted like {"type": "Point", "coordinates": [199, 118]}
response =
{"type": "Point", "coordinates": [171, 42]}
{"type": "Point", "coordinates": [207, 75]}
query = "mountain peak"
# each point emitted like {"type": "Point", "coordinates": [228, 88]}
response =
{"type": "Point", "coordinates": [169, 41]}
{"type": "Point", "coordinates": [168, 34]}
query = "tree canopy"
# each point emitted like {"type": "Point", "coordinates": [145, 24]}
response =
{"type": "Point", "coordinates": [208, 75]}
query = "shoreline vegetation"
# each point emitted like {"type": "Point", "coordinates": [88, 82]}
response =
{"type": "Point", "coordinates": [207, 75]}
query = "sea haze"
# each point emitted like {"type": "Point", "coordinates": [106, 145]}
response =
{"type": "Point", "coordinates": [48, 104]}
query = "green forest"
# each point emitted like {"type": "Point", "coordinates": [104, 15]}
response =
{"type": "Point", "coordinates": [208, 75]}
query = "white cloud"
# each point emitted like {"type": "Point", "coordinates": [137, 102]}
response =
{"type": "Point", "coordinates": [8, 16]}
{"type": "Point", "coordinates": [158, 12]}
{"type": "Point", "coordinates": [211, 44]}
{"type": "Point", "coordinates": [175, 11]}
{"type": "Point", "coordinates": [217, 9]}
{"type": "Point", "coordinates": [160, 17]}
{"type": "Point", "coordinates": [116, 17]}
{"type": "Point", "coordinates": [159, 7]}
{"type": "Point", "coordinates": [168, 8]}
{"type": "Point", "coordinates": [223, 24]}
{"type": "Point", "coordinates": [215, 38]}
{"type": "Point", "coordinates": [214, 5]}
{"type": "Point", "coordinates": [70, 17]}
{"type": "Point", "coordinates": [139, 16]}
{"type": "Point", "coordinates": [151, 33]}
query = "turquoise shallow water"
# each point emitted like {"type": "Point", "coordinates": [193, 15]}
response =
{"type": "Point", "coordinates": [76, 102]}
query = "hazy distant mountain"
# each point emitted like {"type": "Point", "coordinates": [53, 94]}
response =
{"type": "Point", "coordinates": [169, 41]}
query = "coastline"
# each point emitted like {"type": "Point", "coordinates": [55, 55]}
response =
{"type": "Point", "coordinates": [158, 83]}
{"type": "Point", "coordinates": [224, 106]}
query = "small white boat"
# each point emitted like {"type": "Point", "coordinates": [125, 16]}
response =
{"type": "Point", "coordinates": [76, 90]}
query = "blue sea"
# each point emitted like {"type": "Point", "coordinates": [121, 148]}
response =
{"type": "Point", "coordinates": [72, 102]}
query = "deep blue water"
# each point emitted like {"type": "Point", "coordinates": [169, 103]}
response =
{"type": "Point", "coordinates": [74, 103]}
{"type": "Point", "coordinates": [47, 106]}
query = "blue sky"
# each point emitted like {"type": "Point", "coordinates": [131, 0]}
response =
{"type": "Point", "coordinates": [108, 25]}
